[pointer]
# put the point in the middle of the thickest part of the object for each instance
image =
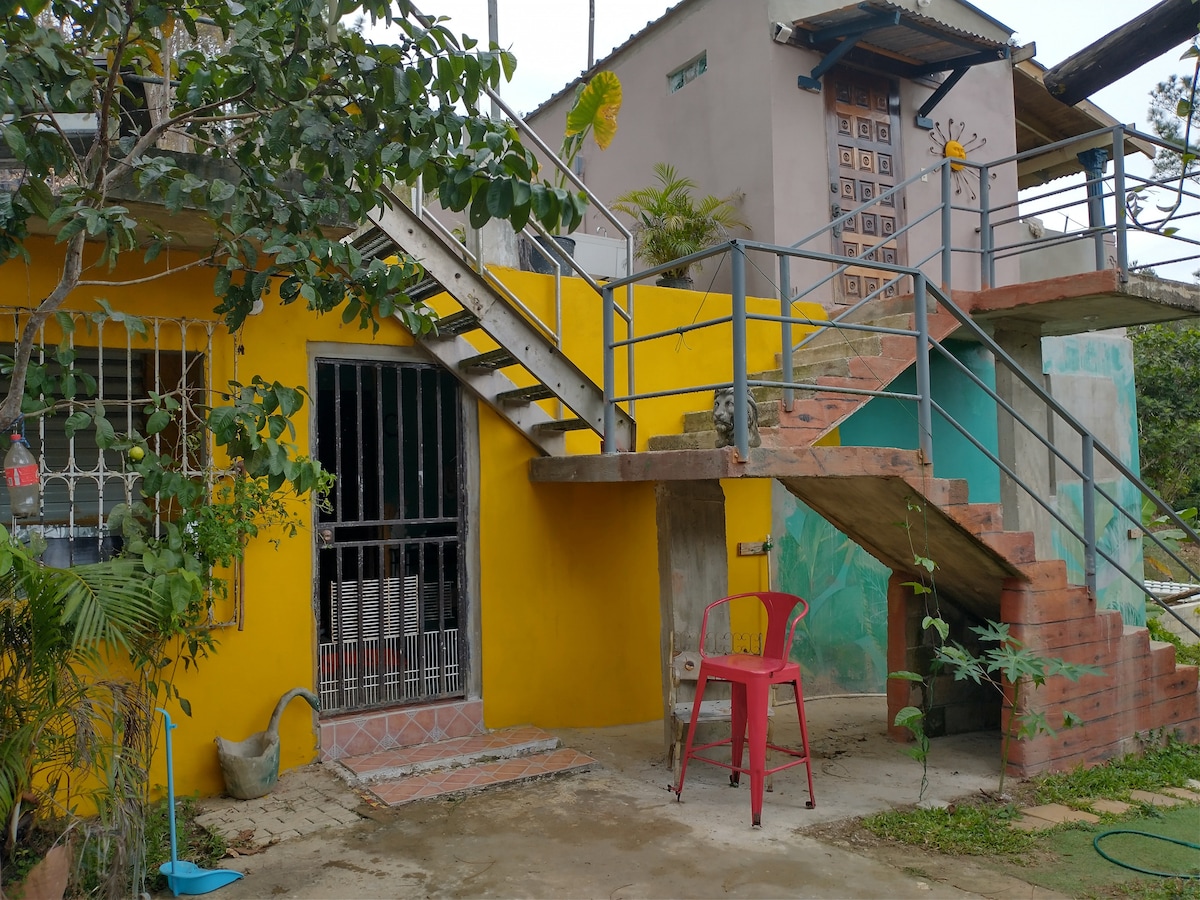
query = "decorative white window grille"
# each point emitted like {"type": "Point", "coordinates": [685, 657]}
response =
{"type": "Point", "coordinates": [125, 360]}
{"type": "Point", "coordinates": [689, 72]}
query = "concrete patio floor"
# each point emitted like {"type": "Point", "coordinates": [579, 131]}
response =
{"type": "Point", "coordinates": [616, 831]}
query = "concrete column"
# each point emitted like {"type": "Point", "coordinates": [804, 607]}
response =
{"type": "Point", "coordinates": [693, 571]}
{"type": "Point", "coordinates": [1025, 454]}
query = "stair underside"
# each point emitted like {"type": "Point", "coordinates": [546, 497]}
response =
{"type": "Point", "coordinates": [863, 491]}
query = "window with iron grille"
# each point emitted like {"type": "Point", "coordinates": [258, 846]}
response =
{"type": "Point", "coordinates": [117, 364]}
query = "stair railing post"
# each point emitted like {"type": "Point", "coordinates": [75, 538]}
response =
{"type": "Point", "coordinates": [947, 225]}
{"type": "Point", "coordinates": [741, 409]}
{"type": "Point", "coordinates": [1089, 512]}
{"type": "Point", "coordinates": [924, 399]}
{"type": "Point", "coordinates": [987, 260]}
{"type": "Point", "coordinates": [785, 311]}
{"type": "Point", "coordinates": [609, 443]}
{"type": "Point", "coordinates": [1119, 218]}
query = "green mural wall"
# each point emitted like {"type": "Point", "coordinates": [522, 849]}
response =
{"type": "Point", "coordinates": [1093, 375]}
{"type": "Point", "coordinates": [842, 643]}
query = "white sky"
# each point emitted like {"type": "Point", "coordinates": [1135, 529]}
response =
{"type": "Point", "coordinates": [549, 38]}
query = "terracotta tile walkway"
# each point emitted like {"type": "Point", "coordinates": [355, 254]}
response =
{"type": "Point", "coordinates": [465, 778]}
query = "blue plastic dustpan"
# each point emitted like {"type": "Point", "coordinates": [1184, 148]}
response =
{"type": "Point", "coordinates": [187, 877]}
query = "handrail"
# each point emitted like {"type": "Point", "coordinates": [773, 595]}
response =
{"type": "Point", "coordinates": [1091, 449]}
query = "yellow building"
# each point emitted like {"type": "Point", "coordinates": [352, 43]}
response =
{"type": "Point", "coordinates": [443, 592]}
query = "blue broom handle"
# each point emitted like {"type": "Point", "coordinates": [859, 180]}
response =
{"type": "Point", "coordinates": [170, 786]}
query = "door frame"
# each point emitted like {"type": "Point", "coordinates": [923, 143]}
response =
{"type": "Point", "coordinates": [471, 671]}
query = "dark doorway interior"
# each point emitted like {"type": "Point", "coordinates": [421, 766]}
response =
{"type": "Point", "coordinates": [390, 574]}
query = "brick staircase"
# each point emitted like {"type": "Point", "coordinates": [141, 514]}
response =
{"type": "Point", "coordinates": [1141, 695]}
{"type": "Point", "coordinates": [984, 571]}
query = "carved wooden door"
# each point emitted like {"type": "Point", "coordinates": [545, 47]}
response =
{"type": "Point", "coordinates": [863, 124]}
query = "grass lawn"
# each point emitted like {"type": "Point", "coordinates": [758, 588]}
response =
{"type": "Point", "coordinates": [1066, 861]}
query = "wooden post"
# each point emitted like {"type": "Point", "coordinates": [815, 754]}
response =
{"type": "Point", "coordinates": [1119, 52]}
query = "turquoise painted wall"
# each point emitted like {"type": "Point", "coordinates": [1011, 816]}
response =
{"type": "Point", "coordinates": [1092, 375]}
{"type": "Point", "coordinates": [843, 643]}
{"type": "Point", "coordinates": [887, 422]}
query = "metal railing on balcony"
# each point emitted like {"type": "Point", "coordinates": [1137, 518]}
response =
{"type": "Point", "coordinates": [1119, 191]}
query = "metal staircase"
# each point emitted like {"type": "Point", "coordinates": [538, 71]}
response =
{"type": "Point", "coordinates": [520, 346]}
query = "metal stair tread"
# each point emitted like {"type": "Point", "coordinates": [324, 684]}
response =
{"type": "Point", "coordinates": [500, 358]}
{"type": "Point", "coordinates": [526, 394]}
{"type": "Point", "coordinates": [562, 425]}
{"type": "Point", "coordinates": [457, 323]}
{"type": "Point", "coordinates": [478, 776]}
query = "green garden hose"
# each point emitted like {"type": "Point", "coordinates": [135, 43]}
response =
{"type": "Point", "coordinates": [1159, 837]}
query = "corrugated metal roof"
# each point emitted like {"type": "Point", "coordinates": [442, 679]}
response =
{"type": "Point", "coordinates": [917, 39]}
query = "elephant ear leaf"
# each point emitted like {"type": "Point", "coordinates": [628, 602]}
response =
{"type": "Point", "coordinates": [596, 107]}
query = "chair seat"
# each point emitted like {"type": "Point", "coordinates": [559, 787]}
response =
{"type": "Point", "coordinates": [738, 666]}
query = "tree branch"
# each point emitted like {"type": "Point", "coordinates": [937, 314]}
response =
{"type": "Point", "coordinates": [150, 138]}
{"type": "Point", "coordinates": [10, 409]}
{"type": "Point", "coordinates": [155, 277]}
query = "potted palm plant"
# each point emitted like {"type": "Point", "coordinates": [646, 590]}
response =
{"type": "Point", "coordinates": [670, 223]}
{"type": "Point", "coordinates": [593, 113]}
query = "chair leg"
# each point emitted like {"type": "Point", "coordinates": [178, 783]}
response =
{"type": "Point", "coordinates": [756, 713]}
{"type": "Point", "coordinates": [687, 747]}
{"type": "Point", "coordinates": [737, 733]}
{"type": "Point", "coordinates": [812, 801]}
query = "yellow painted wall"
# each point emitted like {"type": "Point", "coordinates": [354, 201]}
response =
{"type": "Point", "coordinates": [568, 587]}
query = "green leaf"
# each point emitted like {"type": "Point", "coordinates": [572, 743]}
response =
{"type": "Point", "coordinates": [75, 422]}
{"type": "Point", "coordinates": [596, 108]}
{"type": "Point", "coordinates": [159, 420]}
{"type": "Point", "coordinates": [908, 717]}
{"type": "Point", "coordinates": [938, 624]}
{"type": "Point", "coordinates": [906, 676]}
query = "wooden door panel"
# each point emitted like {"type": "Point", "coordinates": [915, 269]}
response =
{"type": "Point", "coordinates": [863, 119]}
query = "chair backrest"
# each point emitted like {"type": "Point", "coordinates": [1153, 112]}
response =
{"type": "Point", "coordinates": [777, 643]}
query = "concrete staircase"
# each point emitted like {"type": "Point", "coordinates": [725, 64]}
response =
{"type": "Point", "coordinates": [832, 358]}
{"type": "Point", "coordinates": [984, 571]}
{"type": "Point", "coordinates": [988, 573]}
{"type": "Point", "coordinates": [460, 765]}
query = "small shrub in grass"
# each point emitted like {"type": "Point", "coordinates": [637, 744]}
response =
{"type": "Point", "coordinates": [1185, 654]}
{"type": "Point", "coordinates": [965, 829]}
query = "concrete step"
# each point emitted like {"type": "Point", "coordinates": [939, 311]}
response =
{"type": "Point", "coordinates": [460, 765]}
{"type": "Point", "coordinates": [451, 753]}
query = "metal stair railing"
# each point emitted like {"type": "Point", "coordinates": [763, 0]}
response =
{"type": "Point", "coordinates": [1091, 448]}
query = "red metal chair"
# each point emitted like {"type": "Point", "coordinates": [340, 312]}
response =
{"type": "Point", "coordinates": [751, 677]}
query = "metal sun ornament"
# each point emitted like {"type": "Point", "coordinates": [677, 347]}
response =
{"type": "Point", "coordinates": [950, 144]}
